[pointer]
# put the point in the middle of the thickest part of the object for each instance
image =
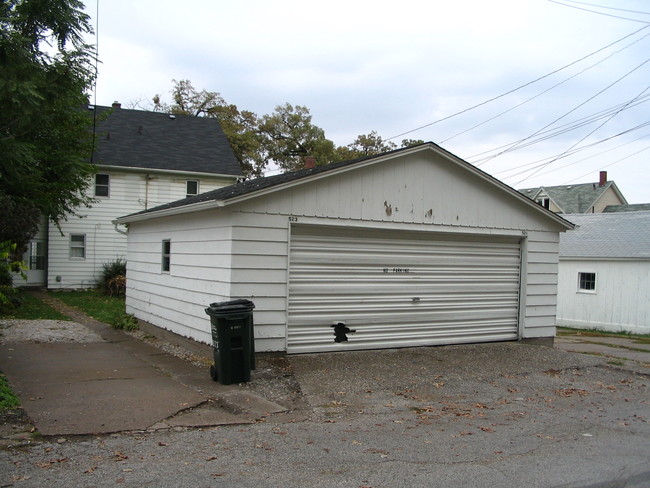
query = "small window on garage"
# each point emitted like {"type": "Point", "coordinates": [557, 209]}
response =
{"type": "Point", "coordinates": [102, 185]}
{"type": "Point", "coordinates": [192, 188]}
{"type": "Point", "coordinates": [78, 246]}
{"type": "Point", "coordinates": [587, 282]}
{"type": "Point", "coordinates": [166, 255]}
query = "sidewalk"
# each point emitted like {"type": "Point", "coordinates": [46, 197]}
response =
{"type": "Point", "coordinates": [626, 352]}
{"type": "Point", "coordinates": [112, 382]}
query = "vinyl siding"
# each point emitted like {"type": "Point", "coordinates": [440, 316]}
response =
{"type": "Point", "coordinates": [408, 193]}
{"type": "Point", "coordinates": [621, 301]}
{"type": "Point", "coordinates": [129, 192]}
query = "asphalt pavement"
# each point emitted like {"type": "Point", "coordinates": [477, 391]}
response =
{"type": "Point", "coordinates": [121, 411]}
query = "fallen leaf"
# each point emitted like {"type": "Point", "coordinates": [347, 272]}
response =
{"type": "Point", "coordinates": [486, 429]}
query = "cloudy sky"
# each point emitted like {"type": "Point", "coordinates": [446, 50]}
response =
{"type": "Point", "coordinates": [412, 69]}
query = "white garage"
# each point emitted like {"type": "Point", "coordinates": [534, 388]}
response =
{"type": "Point", "coordinates": [413, 247]}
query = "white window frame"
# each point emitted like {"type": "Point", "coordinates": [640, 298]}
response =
{"type": "Point", "coordinates": [76, 244]}
{"type": "Point", "coordinates": [187, 188]}
{"type": "Point", "coordinates": [107, 185]}
{"type": "Point", "coordinates": [166, 256]}
{"type": "Point", "coordinates": [544, 202]}
{"type": "Point", "coordinates": [581, 281]}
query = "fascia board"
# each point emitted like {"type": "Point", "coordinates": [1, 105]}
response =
{"type": "Point", "coordinates": [132, 169]}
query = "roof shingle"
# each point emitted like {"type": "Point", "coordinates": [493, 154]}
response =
{"type": "Point", "coordinates": [153, 140]}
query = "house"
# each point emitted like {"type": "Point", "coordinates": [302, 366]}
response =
{"type": "Point", "coordinates": [578, 199]}
{"type": "Point", "coordinates": [604, 274]}
{"type": "Point", "coordinates": [143, 159]}
{"type": "Point", "coordinates": [411, 247]}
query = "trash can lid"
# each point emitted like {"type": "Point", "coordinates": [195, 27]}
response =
{"type": "Point", "coordinates": [231, 306]}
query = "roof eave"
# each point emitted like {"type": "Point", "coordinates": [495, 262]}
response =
{"type": "Point", "coordinates": [167, 212]}
{"type": "Point", "coordinates": [138, 169]}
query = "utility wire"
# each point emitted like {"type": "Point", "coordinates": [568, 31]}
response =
{"type": "Point", "coordinates": [545, 91]}
{"type": "Point", "coordinates": [599, 13]}
{"type": "Point", "coordinates": [571, 153]}
{"type": "Point", "coordinates": [562, 129]}
{"type": "Point", "coordinates": [518, 88]}
{"type": "Point", "coordinates": [608, 165]}
{"type": "Point", "coordinates": [517, 144]}
{"type": "Point", "coordinates": [607, 8]}
{"type": "Point", "coordinates": [585, 137]}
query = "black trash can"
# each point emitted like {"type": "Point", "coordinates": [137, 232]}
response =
{"type": "Point", "coordinates": [233, 341]}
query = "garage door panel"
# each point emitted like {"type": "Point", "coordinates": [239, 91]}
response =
{"type": "Point", "coordinates": [400, 290]}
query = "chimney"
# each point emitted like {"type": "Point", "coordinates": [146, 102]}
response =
{"type": "Point", "coordinates": [310, 162]}
{"type": "Point", "coordinates": [117, 105]}
{"type": "Point", "coordinates": [603, 178]}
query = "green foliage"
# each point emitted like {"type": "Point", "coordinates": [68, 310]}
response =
{"type": "Point", "coordinates": [93, 303]}
{"type": "Point", "coordinates": [8, 400]}
{"type": "Point", "coordinates": [8, 265]}
{"type": "Point", "coordinates": [112, 281]}
{"type": "Point", "coordinates": [285, 137]}
{"type": "Point", "coordinates": [45, 70]}
{"type": "Point", "coordinates": [31, 308]}
{"type": "Point", "coordinates": [125, 321]}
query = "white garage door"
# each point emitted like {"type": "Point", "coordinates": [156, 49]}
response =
{"type": "Point", "coordinates": [397, 289]}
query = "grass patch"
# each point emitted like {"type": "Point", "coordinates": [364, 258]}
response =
{"type": "Point", "coordinates": [93, 303]}
{"type": "Point", "coordinates": [31, 308]}
{"type": "Point", "coordinates": [639, 338]}
{"type": "Point", "coordinates": [8, 400]}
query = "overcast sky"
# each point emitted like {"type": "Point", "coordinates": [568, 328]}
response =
{"type": "Point", "coordinates": [394, 67]}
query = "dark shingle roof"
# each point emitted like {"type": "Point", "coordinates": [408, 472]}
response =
{"type": "Point", "coordinates": [608, 235]}
{"type": "Point", "coordinates": [627, 208]}
{"type": "Point", "coordinates": [153, 140]}
{"type": "Point", "coordinates": [572, 199]}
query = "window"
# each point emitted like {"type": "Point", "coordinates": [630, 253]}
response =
{"type": "Point", "coordinates": [192, 188]}
{"type": "Point", "coordinates": [78, 246]}
{"type": "Point", "coordinates": [37, 255]}
{"type": "Point", "coordinates": [166, 255]}
{"type": "Point", "coordinates": [587, 282]}
{"type": "Point", "coordinates": [544, 202]}
{"type": "Point", "coordinates": [102, 185]}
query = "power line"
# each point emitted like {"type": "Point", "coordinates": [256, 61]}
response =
{"type": "Point", "coordinates": [599, 13]}
{"type": "Point", "coordinates": [608, 8]}
{"type": "Point", "coordinates": [545, 91]}
{"type": "Point", "coordinates": [516, 89]}
{"type": "Point", "coordinates": [517, 144]}
{"type": "Point", "coordinates": [587, 135]}
{"type": "Point", "coordinates": [608, 165]}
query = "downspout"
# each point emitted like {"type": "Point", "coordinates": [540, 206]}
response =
{"type": "Point", "coordinates": [124, 232]}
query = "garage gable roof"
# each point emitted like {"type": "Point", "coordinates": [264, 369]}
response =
{"type": "Point", "coordinates": [608, 235]}
{"type": "Point", "coordinates": [261, 186]}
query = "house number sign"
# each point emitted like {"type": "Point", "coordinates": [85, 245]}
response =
{"type": "Point", "coordinates": [396, 270]}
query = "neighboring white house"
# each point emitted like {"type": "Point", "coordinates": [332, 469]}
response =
{"type": "Point", "coordinates": [580, 198]}
{"type": "Point", "coordinates": [412, 247]}
{"type": "Point", "coordinates": [143, 159]}
{"type": "Point", "coordinates": [604, 280]}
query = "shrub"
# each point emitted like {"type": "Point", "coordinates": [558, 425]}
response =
{"type": "Point", "coordinates": [113, 278]}
{"type": "Point", "coordinates": [125, 321]}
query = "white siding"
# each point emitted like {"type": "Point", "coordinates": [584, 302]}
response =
{"type": "Point", "coordinates": [621, 301]}
{"type": "Point", "coordinates": [199, 272]}
{"type": "Point", "coordinates": [129, 192]}
{"type": "Point", "coordinates": [411, 192]}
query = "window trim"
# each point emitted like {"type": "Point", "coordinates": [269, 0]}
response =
{"type": "Point", "coordinates": [102, 185]}
{"type": "Point", "coordinates": [75, 245]}
{"type": "Point", "coordinates": [587, 280]}
{"type": "Point", "coordinates": [544, 202]}
{"type": "Point", "coordinates": [187, 184]}
{"type": "Point", "coordinates": [166, 256]}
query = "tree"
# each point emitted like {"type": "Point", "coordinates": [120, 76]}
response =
{"type": "Point", "coordinates": [45, 141]}
{"type": "Point", "coordinates": [289, 136]}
